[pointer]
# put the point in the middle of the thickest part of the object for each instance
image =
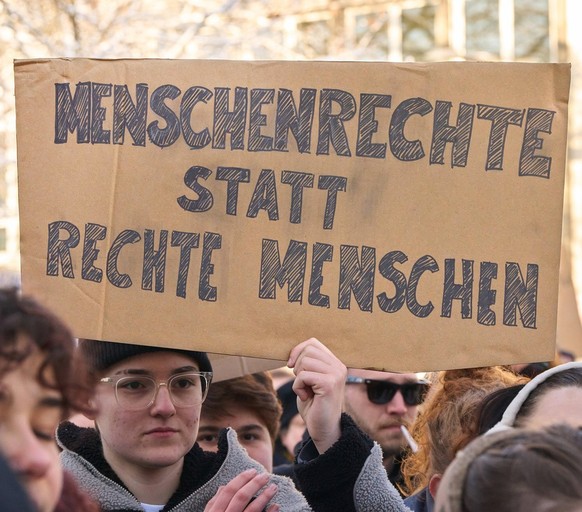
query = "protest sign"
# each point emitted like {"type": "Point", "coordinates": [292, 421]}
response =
{"type": "Point", "coordinates": [407, 215]}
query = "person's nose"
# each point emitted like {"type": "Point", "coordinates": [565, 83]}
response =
{"type": "Point", "coordinates": [397, 405]}
{"type": "Point", "coordinates": [27, 455]}
{"type": "Point", "coordinates": [163, 404]}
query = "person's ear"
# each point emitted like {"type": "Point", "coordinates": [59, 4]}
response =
{"type": "Point", "coordinates": [433, 484]}
{"type": "Point", "coordinates": [91, 411]}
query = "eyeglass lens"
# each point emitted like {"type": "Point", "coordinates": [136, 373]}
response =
{"type": "Point", "coordinates": [381, 392]}
{"type": "Point", "coordinates": [138, 392]}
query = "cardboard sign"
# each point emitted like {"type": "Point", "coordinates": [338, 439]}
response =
{"type": "Point", "coordinates": [226, 367]}
{"type": "Point", "coordinates": [407, 215]}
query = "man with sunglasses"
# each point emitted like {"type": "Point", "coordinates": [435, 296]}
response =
{"type": "Point", "coordinates": [381, 403]}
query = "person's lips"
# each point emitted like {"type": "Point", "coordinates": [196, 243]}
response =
{"type": "Point", "coordinates": [391, 426]}
{"type": "Point", "coordinates": [161, 432]}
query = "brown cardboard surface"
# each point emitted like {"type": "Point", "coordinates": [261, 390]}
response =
{"type": "Point", "coordinates": [227, 367]}
{"type": "Point", "coordinates": [407, 215]}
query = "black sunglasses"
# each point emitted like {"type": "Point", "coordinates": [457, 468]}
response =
{"type": "Point", "coordinates": [380, 392]}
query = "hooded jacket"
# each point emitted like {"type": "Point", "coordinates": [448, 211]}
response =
{"type": "Point", "coordinates": [349, 477]}
{"type": "Point", "coordinates": [202, 475]}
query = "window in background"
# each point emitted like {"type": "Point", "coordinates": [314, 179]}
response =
{"type": "Point", "coordinates": [508, 29]}
{"type": "Point", "coordinates": [532, 41]}
{"type": "Point", "coordinates": [482, 28]}
{"type": "Point", "coordinates": [3, 243]}
{"type": "Point", "coordinates": [314, 37]}
{"type": "Point", "coordinates": [393, 31]}
{"type": "Point", "coordinates": [371, 34]}
{"type": "Point", "coordinates": [418, 32]}
{"type": "Point", "coordinates": [423, 30]}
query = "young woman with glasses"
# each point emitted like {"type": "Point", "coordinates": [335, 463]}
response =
{"type": "Point", "coordinates": [142, 455]}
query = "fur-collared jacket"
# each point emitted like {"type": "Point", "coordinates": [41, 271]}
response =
{"type": "Point", "coordinates": [349, 477]}
{"type": "Point", "coordinates": [202, 475]}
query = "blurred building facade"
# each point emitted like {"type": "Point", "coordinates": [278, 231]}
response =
{"type": "Point", "coordinates": [427, 30]}
{"type": "Point", "coordinates": [392, 30]}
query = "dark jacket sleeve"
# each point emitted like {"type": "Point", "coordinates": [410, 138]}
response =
{"type": "Point", "coordinates": [328, 480]}
{"type": "Point", "coordinates": [14, 496]}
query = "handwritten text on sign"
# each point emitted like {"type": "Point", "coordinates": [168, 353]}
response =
{"type": "Point", "coordinates": [322, 196]}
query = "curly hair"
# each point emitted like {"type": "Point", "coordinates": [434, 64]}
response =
{"type": "Point", "coordinates": [447, 419]}
{"type": "Point", "coordinates": [26, 326]}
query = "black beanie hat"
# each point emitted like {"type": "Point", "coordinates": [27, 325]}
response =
{"type": "Point", "coordinates": [100, 355]}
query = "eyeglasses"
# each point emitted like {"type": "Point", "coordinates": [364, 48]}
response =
{"type": "Point", "coordinates": [134, 392]}
{"type": "Point", "coordinates": [380, 392]}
